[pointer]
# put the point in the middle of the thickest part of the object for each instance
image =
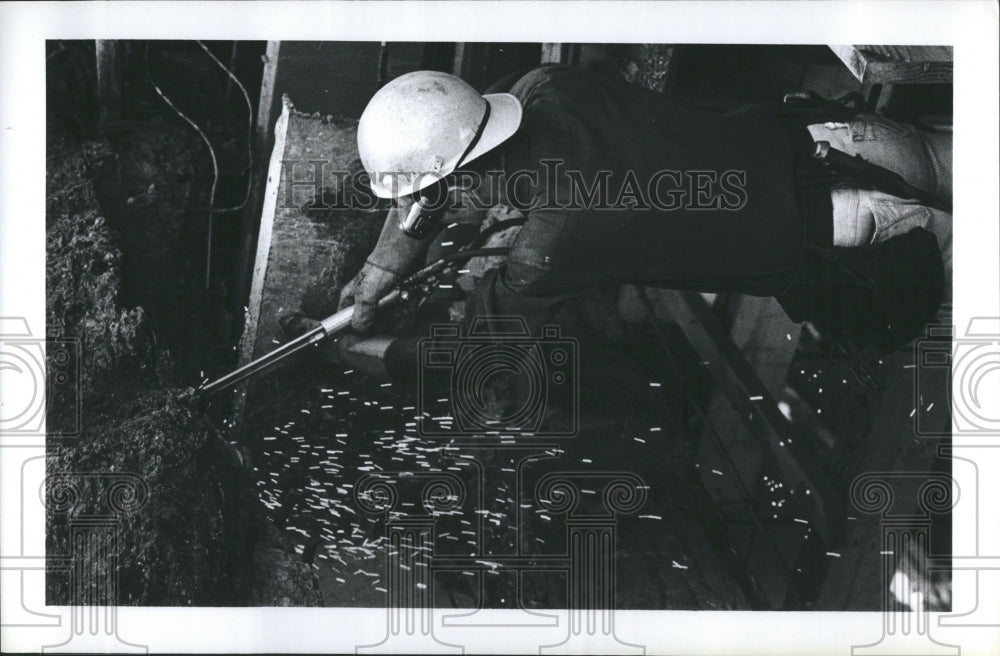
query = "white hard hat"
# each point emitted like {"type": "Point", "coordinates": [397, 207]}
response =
{"type": "Point", "coordinates": [423, 125]}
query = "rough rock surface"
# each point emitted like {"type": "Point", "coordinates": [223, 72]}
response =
{"type": "Point", "coordinates": [188, 528]}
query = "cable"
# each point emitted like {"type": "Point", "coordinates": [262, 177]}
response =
{"type": "Point", "coordinates": [211, 153]}
{"type": "Point", "coordinates": [212, 210]}
{"type": "Point", "coordinates": [246, 98]}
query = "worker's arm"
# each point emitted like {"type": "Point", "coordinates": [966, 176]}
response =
{"type": "Point", "coordinates": [394, 257]}
{"type": "Point", "coordinates": [397, 359]}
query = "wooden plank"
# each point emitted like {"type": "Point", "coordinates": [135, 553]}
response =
{"type": "Point", "coordinates": [305, 253]}
{"type": "Point", "coordinates": [108, 82]}
{"type": "Point", "coordinates": [897, 64]}
{"type": "Point", "coordinates": [471, 62]}
{"type": "Point", "coordinates": [743, 416]}
{"type": "Point", "coordinates": [252, 310]}
{"type": "Point", "coordinates": [744, 390]}
{"type": "Point", "coordinates": [249, 224]}
{"type": "Point", "coordinates": [249, 337]}
{"type": "Point", "coordinates": [458, 59]}
{"type": "Point", "coordinates": [267, 86]}
{"type": "Point", "coordinates": [552, 53]}
{"type": "Point", "coordinates": [909, 73]}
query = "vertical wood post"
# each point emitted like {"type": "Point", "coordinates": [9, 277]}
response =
{"type": "Point", "coordinates": [108, 83]}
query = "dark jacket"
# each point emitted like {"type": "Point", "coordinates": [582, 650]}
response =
{"type": "Point", "coordinates": [713, 200]}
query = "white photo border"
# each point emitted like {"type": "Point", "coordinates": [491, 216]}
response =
{"type": "Point", "coordinates": [971, 27]}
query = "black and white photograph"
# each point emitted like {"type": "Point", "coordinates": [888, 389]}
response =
{"type": "Point", "coordinates": [393, 343]}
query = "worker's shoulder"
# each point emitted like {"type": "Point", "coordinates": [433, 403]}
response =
{"type": "Point", "coordinates": [545, 84]}
{"type": "Point", "coordinates": [543, 81]}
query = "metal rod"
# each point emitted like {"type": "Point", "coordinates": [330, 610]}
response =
{"type": "Point", "coordinates": [268, 359]}
{"type": "Point", "coordinates": [328, 327]}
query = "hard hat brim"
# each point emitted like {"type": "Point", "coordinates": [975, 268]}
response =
{"type": "Point", "coordinates": [503, 122]}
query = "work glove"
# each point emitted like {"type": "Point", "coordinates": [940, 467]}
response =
{"type": "Point", "coordinates": [394, 256]}
{"type": "Point", "coordinates": [364, 292]}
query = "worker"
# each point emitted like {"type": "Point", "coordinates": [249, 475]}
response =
{"type": "Point", "coordinates": [620, 185]}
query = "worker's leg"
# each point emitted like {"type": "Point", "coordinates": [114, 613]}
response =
{"type": "Point", "coordinates": [862, 217]}
{"type": "Point", "coordinates": [923, 158]}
